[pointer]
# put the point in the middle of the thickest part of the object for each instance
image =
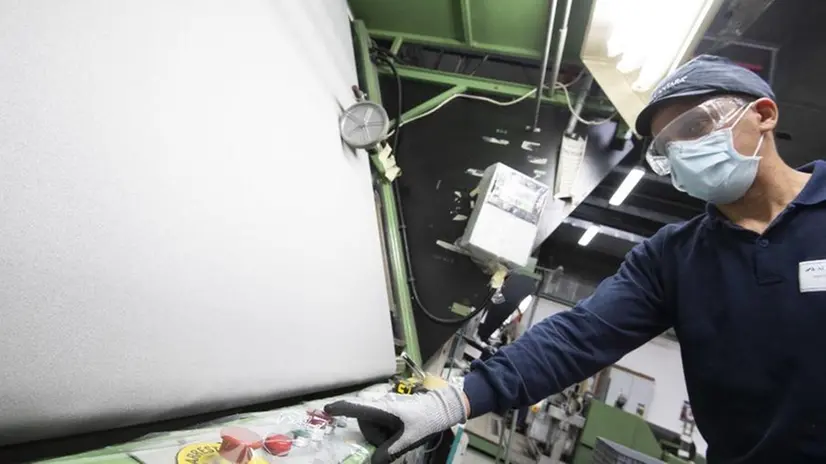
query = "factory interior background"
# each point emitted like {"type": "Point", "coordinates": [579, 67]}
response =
{"type": "Point", "coordinates": [186, 237]}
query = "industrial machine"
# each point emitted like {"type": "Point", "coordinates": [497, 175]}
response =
{"type": "Point", "coordinates": [184, 235]}
{"type": "Point", "coordinates": [556, 425]}
{"type": "Point", "coordinates": [569, 428]}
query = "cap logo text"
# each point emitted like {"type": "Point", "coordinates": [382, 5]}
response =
{"type": "Point", "coordinates": [669, 85]}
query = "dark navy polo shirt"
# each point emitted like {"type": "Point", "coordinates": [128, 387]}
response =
{"type": "Point", "coordinates": [749, 311]}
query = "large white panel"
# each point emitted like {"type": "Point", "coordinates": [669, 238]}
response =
{"type": "Point", "coordinates": [180, 226]}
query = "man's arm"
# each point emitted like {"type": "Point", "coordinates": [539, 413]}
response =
{"type": "Point", "coordinates": [625, 311]}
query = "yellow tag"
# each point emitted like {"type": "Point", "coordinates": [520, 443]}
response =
{"type": "Point", "coordinates": [498, 277]}
{"type": "Point", "coordinates": [205, 453]}
{"type": "Point", "coordinates": [404, 389]}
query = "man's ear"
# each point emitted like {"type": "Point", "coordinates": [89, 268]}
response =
{"type": "Point", "coordinates": [767, 109]}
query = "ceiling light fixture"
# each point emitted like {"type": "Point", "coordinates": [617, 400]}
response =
{"type": "Point", "coordinates": [627, 185]}
{"type": "Point", "coordinates": [619, 51]}
{"type": "Point", "coordinates": [589, 235]}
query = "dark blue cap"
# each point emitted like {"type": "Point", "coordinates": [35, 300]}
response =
{"type": "Point", "coordinates": [704, 75]}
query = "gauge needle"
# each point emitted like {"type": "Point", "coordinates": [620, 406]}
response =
{"type": "Point", "coordinates": [353, 118]}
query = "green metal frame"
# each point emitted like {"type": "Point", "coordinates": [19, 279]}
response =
{"type": "Point", "coordinates": [398, 266]}
{"type": "Point", "coordinates": [512, 27]}
{"type": "Point", "coordinates": [432, 103]}
{"type": "Point", "coordinates": [488, 86]}
{"type": "Point", "coordinates": [455, 43]}
{"type": "Point", "coordinates": [467, 22]}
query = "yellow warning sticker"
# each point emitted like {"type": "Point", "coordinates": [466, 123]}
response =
{"type": "Point", "coordinates": [205, 453]}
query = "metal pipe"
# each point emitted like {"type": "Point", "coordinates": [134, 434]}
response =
{"type": "Point", "coordinates": [457, 340]}
{"type": "Point", "coordinates": [511, 435]}
{"type": "Point", "coordinates": [403, 299]}
{"type": "Point", "coordinates": [404, 302]}
{"type": "Point", "coordinates": [502, 432]}
{"type": "Point", "coordinates": [560, 45]}
{"type": "Point", "coordinates": [588, 81]}
{"type": "Point", "coordinates": [544, 69]}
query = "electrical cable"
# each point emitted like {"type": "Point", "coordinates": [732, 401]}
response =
{"type": "Point", "coordinates": [575, 79]}
{"type": "Point", "coordinates": [470, 97]}
{"type": "Point", "coordinates": [385, 57]}
{"type": "Point", "coordinates": [414, 291]}
{"type": "Point", "coordinates": [439, 442]}
{"type": "Point", "coordinates": [579, 118]}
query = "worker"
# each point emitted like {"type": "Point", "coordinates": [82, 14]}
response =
{"type": "Point", "coordinates": [743, 285]}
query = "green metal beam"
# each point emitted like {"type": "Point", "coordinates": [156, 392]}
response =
{"type": "Point", "coordinates": [467, 25]}
{"type": "Point", "coordinates": [417, 38]}
{"type": "Point", "coordinates": [395, 248]}
{"type": "Point", "coordinates": [492, 86]}
{"type": "Point", "coordinates": [457, 44]}
{"type": "Point", "coordinates": [397, 263]}
{"type": "Point", "coordinates": [428, 105]}
{"type": "Point", "coordinates": [367, 70]}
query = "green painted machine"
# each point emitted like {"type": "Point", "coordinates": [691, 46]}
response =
{"type": "Point", "coordinates": [616, 425]}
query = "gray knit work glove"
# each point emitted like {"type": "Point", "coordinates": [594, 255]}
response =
{"type": "Point", "coordinates": [396, 424]}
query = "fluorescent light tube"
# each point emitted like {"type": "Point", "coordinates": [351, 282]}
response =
{"type": "Point", "coordinates": [630, 45]}
{"type": "Point", "coordinates": [525, 304]}
{"type": "Point", "coordinates": [589, 235]}
{"type": "Point", "coordinates": [627, 185]}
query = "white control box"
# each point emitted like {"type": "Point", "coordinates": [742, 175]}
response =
{"type": "Point", "coordinates": [505, 220]}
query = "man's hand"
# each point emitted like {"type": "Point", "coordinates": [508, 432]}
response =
{"type": "Point", "coordinates": [397, 424]}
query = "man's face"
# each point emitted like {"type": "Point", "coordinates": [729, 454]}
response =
{"type": "Point", "coordinates": [746, 128]}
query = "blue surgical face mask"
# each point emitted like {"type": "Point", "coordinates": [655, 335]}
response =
{"type": "Point", "coordinates": [711, 169]}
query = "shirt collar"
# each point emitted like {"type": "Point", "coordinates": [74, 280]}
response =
{"type": "Point", "coordinates": [813, 192]}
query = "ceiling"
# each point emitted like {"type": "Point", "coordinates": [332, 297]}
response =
{"type": "Point", "coordinates": [504, 40]}
{"type": "Point", "coordinates": [514, 28]}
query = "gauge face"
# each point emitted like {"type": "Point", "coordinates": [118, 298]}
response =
{"type": "Point", "coordinates": [364, 125]}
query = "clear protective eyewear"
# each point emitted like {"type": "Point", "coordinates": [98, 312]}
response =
{"type": "Point", "coordinates": [705, 118]}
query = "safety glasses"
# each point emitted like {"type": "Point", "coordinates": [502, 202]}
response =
{"type": "Point", "coordinates": [705, 118]}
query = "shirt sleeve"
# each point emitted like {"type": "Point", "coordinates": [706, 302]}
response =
{"type": "Point", "coordinates": [625, 311]}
